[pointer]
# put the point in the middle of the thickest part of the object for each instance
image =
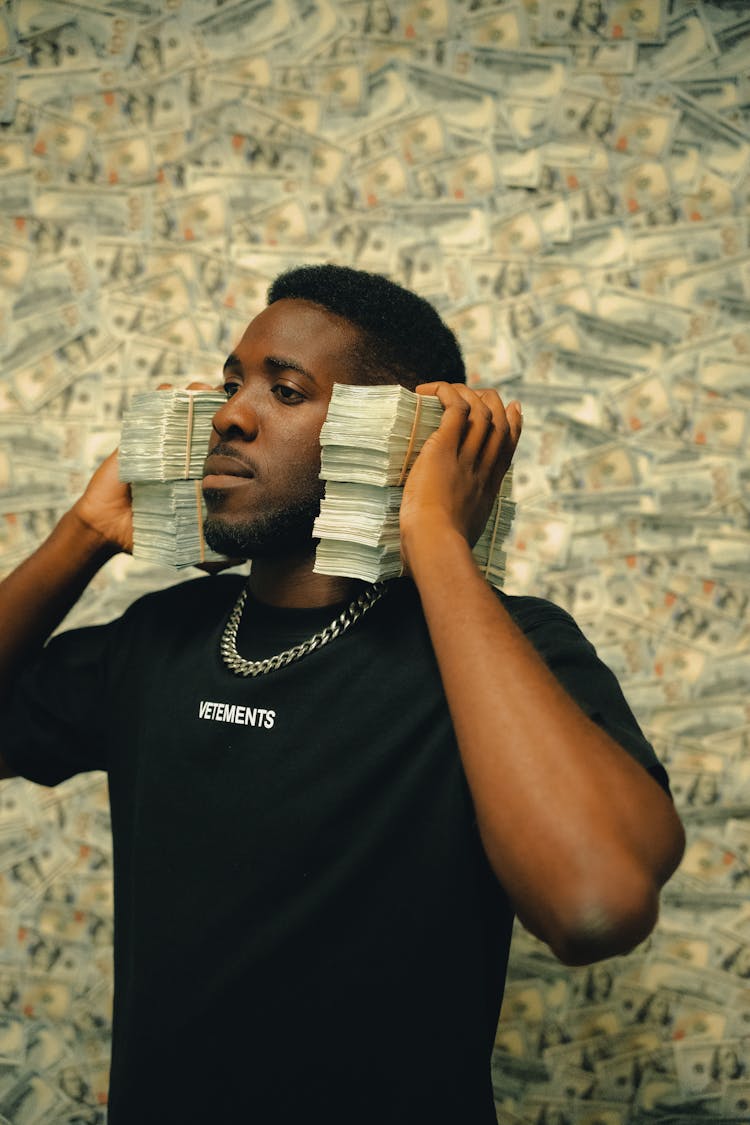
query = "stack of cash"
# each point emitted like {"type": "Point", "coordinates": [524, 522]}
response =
{"type": "Point", "coordinates": [369, 441]}
{"type": "Point", "coordinates": [165, 435]}
{"type": "Point", "coordinates": [162, 449]}
{"type": "Point", "coordinates": [372, 435]}
{"type": "Point", "coordinates": [168, 523]}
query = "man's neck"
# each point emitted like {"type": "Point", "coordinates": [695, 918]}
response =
{"type": "Point", "coordinates": [290, 583]}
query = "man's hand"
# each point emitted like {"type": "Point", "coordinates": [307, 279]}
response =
{"type": "Point", "coordinates": [105, 507]}
{"type": "Point", "coordinates": [457, 475]}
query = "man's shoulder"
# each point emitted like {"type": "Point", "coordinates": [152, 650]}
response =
{"type": "Point", "coordinates": [550, 628]}
{"type": "Point", "coordinates": [532, 613]}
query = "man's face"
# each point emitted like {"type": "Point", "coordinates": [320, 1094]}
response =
{"type": "Point", "coordinates": [591, 13]}
{"type": "Point", "coordinates": [601, 119]}
{"type": "Point", "coordinates": [262, 488]}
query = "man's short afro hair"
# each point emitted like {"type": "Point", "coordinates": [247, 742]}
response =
{"type": "Point", "coordinates": [403, 336]}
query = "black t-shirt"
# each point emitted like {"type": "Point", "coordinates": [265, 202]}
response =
{"type": "Point", "coordinates": [306, 925]}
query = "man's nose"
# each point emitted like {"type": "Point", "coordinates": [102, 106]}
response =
{"type": "Point", "coordinates": [237, 418]}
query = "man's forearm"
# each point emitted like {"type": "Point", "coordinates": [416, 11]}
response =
{"type": "Point", "coordinates": [577, 832]}
{"type": "Point", "coordinates": [36, 596]}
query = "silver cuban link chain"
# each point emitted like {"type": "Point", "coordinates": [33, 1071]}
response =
{"type": "Point", "coordinates": [241, 667]}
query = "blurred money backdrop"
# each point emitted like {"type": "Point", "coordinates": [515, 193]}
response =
{"type": "Point", "coordinates": [568, 182]}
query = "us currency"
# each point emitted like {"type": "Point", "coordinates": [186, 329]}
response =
{"type": "Point", "coordinates": [168, 518]}
{"type": "Point", "coordinates": [723, 148]}
{"type": "Point", "coordinates": [163, 445]}
{"type": "Point", "coordinates": [571, 22]}
{"type": "Point", "coordinates": [115, 213]}
{"type": "Point", "coordinates": [165, 435]}
{"type": "Point", "coordinates": [689, 43]}
{"type": "Point", "coordinates": [161, 105]}
{"type": "Point", "coordinates": [369, 441]}
{"type": "Point", "coordinates": [469, 105]}
{"type": "Point", "coordinates": [539, 74]}
{"type": "Point", "coordinates": [261, 21]}
{"type": "Point", "coordinates": [731, 44]}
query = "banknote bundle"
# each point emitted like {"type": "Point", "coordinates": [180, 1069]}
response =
{"type": "Point", "coordinates": [369, 441]}
{"type": "Point", "coordinates": [163, 446]}
{"type": "Point", "coordinates": [165, 435]}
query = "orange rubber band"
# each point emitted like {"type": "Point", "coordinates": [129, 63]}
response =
{"type": "Point", "coordinates": [405, 467]}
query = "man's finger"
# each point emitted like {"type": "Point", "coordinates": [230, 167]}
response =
{"type": "Point", "coordinates": [190, 387]}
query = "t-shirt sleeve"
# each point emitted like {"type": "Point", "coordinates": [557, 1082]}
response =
{"type": "Point", "coordinates": [574, 661]}
{"type": "Point", "coordinates": [54, 724]}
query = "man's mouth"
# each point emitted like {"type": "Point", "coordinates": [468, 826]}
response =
{"type": "Point", "coordinates": [222, 471]}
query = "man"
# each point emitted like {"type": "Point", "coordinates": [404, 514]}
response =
{"type": "Point", "coordinates": [317, 858]}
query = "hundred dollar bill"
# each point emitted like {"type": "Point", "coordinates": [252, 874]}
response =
{"type": "Point", "coordinates": [159, 105]}
{"type": "Point", "coordinates": [30, 1089]}
{"type": "Point", "coordinates": [56, 284]}
{"type": "Point", "coordinates": [536, 74]}
{"type": "Point", "coordinates": [571, 21]}
{"type": "Point", "coordinates": [723, 148]}
{"type": "Point", "coordinates": [115, 213]}
{"type": "Point", "coordinates": [15, 262]}
{"type": "Point", "coordinates": [315, 26]}
{"type": "Point", "coordinates": [597, 245]}
{"type": "Point", "coordinates": [506, 26]}
{"type": "Point", "coordinates": [254, 21]}
{"type": "Point", "coordinates": [418, 137]}
{"type": "Point", "coordinates": [706, 1066]}
{"type": "Point", "coordinates": [7, 94]}
{"type": "Point", "coordinates": [455, 227]}
{"type": "Point", "coordinates": [689, 42]}
{"type": "Point", "coordinates": [468, 177]}
{"type": "Point", "coordinates": [464, 105]}
{"type": "Point", "coordinates": [614, 57]}
{"type": "Point", "coordinates": [709, 197]}
{"type": "Point", "coordinates": [732, 43]}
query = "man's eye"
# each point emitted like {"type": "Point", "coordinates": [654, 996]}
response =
{"type": "Point", "coordinates": [287, 394]}
{"type": "Point", "coordinates": [230, 389]}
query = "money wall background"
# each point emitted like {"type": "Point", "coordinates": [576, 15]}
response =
{"type": "Point", "coordinates": [568, 182]}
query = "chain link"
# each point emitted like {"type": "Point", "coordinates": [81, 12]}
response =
{"type": "Point", "coordinates": [241, 667]}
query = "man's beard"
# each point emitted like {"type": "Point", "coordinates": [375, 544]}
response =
{"type": "Point", "coordinates": [286, 531]}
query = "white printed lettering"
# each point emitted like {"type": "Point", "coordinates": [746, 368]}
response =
{"type": "Point", "coordinates": [237, 713]}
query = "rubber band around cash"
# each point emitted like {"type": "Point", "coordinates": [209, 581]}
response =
{"type": "Point", "coordinates": [199, 512]}
{"type": "Point", "coordinates": [189, 435]}
{"type": "Point", "coordinates": [410, 446]}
